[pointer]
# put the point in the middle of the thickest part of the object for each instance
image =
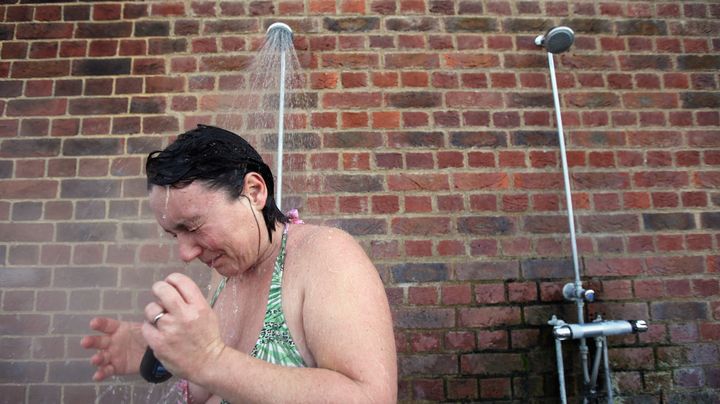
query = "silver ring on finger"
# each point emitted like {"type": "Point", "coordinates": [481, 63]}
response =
{"type": "Point", "coordinates": [158, 317]}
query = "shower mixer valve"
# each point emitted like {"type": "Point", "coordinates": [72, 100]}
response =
{"type": "Point", "coordinates": [573, 292]}
{"type": "Point", "coordinates": [598, 328]}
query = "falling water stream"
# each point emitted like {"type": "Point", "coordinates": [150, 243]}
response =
{"type": "Point", "coordinates": [267, 111]}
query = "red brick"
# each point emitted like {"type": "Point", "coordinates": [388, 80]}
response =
{"type": "Point", "coordinates": [427, 295]}
{"type": "Point", "coordinates": [418, 204]}
{"type": "Point", "coordinates": [495, 388]}
{"type": "Point", "coordinates": [418, 248]}
{"type": "Point", "coordinates": [709, 332]}
{"type": "Point", "coordinates": [414, 119]}
{"type": "Point", "coordinates": [522, 292]}
{"type": "Point", "coordinates": [460, 340]}
{"type": "Point", "coordinates": [386, 119]}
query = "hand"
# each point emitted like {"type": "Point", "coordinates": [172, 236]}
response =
{"type": "Point", "coordinates": [187, 337]}
{"type": "Point", "coordinates": [120, 347]}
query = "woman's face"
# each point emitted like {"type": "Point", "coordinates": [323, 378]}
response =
{"type": "Point", "coordinates": [208, 225]}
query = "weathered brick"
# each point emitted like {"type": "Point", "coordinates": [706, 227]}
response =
{"type": "Point", "coordinates": [645, 62]}
{"type": "Point", "coordinates": [92, 147]}
{"type": "Point", "coordinates": [405, 273]}
{"type": "Point", "coordinates": [486, 225]}
{"type": "Point", "coordinates": [351, 24]}
{"type": "Point", "coordinates": [668, 221]}
{"type": "Point", "coordinates": [345, 140]}
{"type": "Point", "coordinates": [420, 226]}
{"type": "Point", "coordinates": [674, 265]}
{"type": "Point", "coordinates": [360, 227]}
{"type": "Point", "coordinates": [46, 30]}
{"type": "Point", "coordinates": [152, 28]}
{"type": "Point", "coordinates": [665, 179]}
{"type": "Point", "coordinates": [491, 363]}
{"type": "Point", "coordinates": [478, 139]}
{"type": "Point", "coordinates": [488, 316]}
{"type": "Point", "coordinates": [414, 100]}
{"type": "Point", "coordinates": [101, 67]}
{"type": "Point", "coordinates": [694, 100]}
{"type": "Point", "coordinates": [103, 30]}
{"type": "Point", "coordinates": [470, 61]}
{"type": "Point", "coordinates": [610, 223]}
{"type": "Point", "coordinates": [471, 24]}
{"type": "Point", "coordinates": [641, 27]}
{"type": "Point", "coordinates": [424, 317]}
{"type": "Point", "coordinates": [24, 324]}
{"type": "Point", "coordinates": [86, 232]}
{"type": "Point", "coordinates": [28, 189]}
{"type": "Point", "coordinates": [679, 311]}
{"type": "Point", "coordinates": [352, 183]}
{"type": "Point", "coordinates": [406, 24]}
{"type": "Point", "coordinates": [411, 182]}
{"type": "Point", "coordinates": [481, 100]}
{"type": "Point", "coordinates": [544, 224]}
{"type": "Point", "coordinates": [22, 372]}
{"type": "Point", "coordinates": [416, 139]}
{"type": "Point", "coordinates": [546, 268]}
{"type": "Point", "coordinates": [428, 364]}
{"type": "Point", "coordinates": [613, 267]}
{"type": "Point", "coordinates": [632, 358]}
{"type": "Point", "coordinates": [98, 106]}
{"type": "Point", "coordinates": [351, 100]}
{"type": "Point", "coordinates": [489, 270]}
{"type": "Point", "coordinates": [698, 62]}
{"type": "Point", "coordinates": [30, 148]}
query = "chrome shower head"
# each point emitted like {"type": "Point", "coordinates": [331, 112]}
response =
{"type": "Point", "coordinates": [279, 25]}
{"type": "Point", "coordinates": [556, 40]}
{"type": "Point", "coordinates": [279, 36]}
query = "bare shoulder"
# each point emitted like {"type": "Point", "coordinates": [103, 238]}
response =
{"type": "Point", "coordinates": [325, 245]}
{"type": "Point", "coordinates": [345, 306]}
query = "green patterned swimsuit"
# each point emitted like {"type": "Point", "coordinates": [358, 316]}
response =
{"type": "Point", "coordinates": [274, 345]}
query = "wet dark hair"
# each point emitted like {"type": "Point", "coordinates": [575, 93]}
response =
{"type": "Point", "coordinates": [219, 159]}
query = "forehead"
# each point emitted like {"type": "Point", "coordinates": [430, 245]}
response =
{"type": "Point", "coordinates": [192, 199]}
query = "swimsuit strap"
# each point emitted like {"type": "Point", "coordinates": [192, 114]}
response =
{"type": "Point", "coordinates": [280, 259]}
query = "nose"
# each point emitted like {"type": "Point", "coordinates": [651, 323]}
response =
{"type": "Point", "coordinates": [187, 248]}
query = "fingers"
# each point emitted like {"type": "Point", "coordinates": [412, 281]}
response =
{"type": "Point", "coordinates": [176, 291]}
{"type": "Point", "coordinates": [152, 310]}
{"type": "Point", "coordinates": [104, 324]}
{"type": "Point", "coordinates": [95, 342]}
{"type": "Point", "coordinates": [168, 297]}
{"type": "Point", "coordinates": [99, 359]}
{"type": "Point", "coordinates": [187, 289]}
{"type": "Point", "coordinates": [103, 373]}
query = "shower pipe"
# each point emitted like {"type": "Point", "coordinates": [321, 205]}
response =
{"type": "Point", "coordinates": [281, 114]}
{"type": "Point", "coordinates": [559, 40]}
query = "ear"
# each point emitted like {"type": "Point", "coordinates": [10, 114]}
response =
{"type": "Point", "coordinates": [254, 187]}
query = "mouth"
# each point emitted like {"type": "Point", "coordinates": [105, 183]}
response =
{"type": "Point", "coordinates": [211, 262]}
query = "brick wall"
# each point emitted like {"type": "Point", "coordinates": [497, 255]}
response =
{"type": "Point", "coordinates": [435, 146]}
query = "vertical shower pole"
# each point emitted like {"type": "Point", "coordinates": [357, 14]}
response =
{"type": "Point", "coordinates": [571, 221]}
{"type": "Point", "coordinates": [281, 132]}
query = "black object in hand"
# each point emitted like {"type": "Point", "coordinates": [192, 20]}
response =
{"type": "Point", "coordinates": [151, 369]}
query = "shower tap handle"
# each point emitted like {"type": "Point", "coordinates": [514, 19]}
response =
{"type": "Point", "coordinates": [573, 292]}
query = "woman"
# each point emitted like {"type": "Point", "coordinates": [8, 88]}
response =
{"type": "Point", "coordinates": [299, 314]}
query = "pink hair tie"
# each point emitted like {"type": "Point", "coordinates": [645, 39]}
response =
{"type": "Point", "coordinates": [294, 216]}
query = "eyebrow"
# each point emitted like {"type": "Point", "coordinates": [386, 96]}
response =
{"type": "Point", "coordinates": [185, 224]}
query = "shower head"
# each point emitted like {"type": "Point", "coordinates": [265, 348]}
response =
{"type": "Point", "coordinates": [279, 25]}
{"type": "Point", "coordinates": [556, 40]}
{"type": "Point", "coordinates": [279, 36]}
